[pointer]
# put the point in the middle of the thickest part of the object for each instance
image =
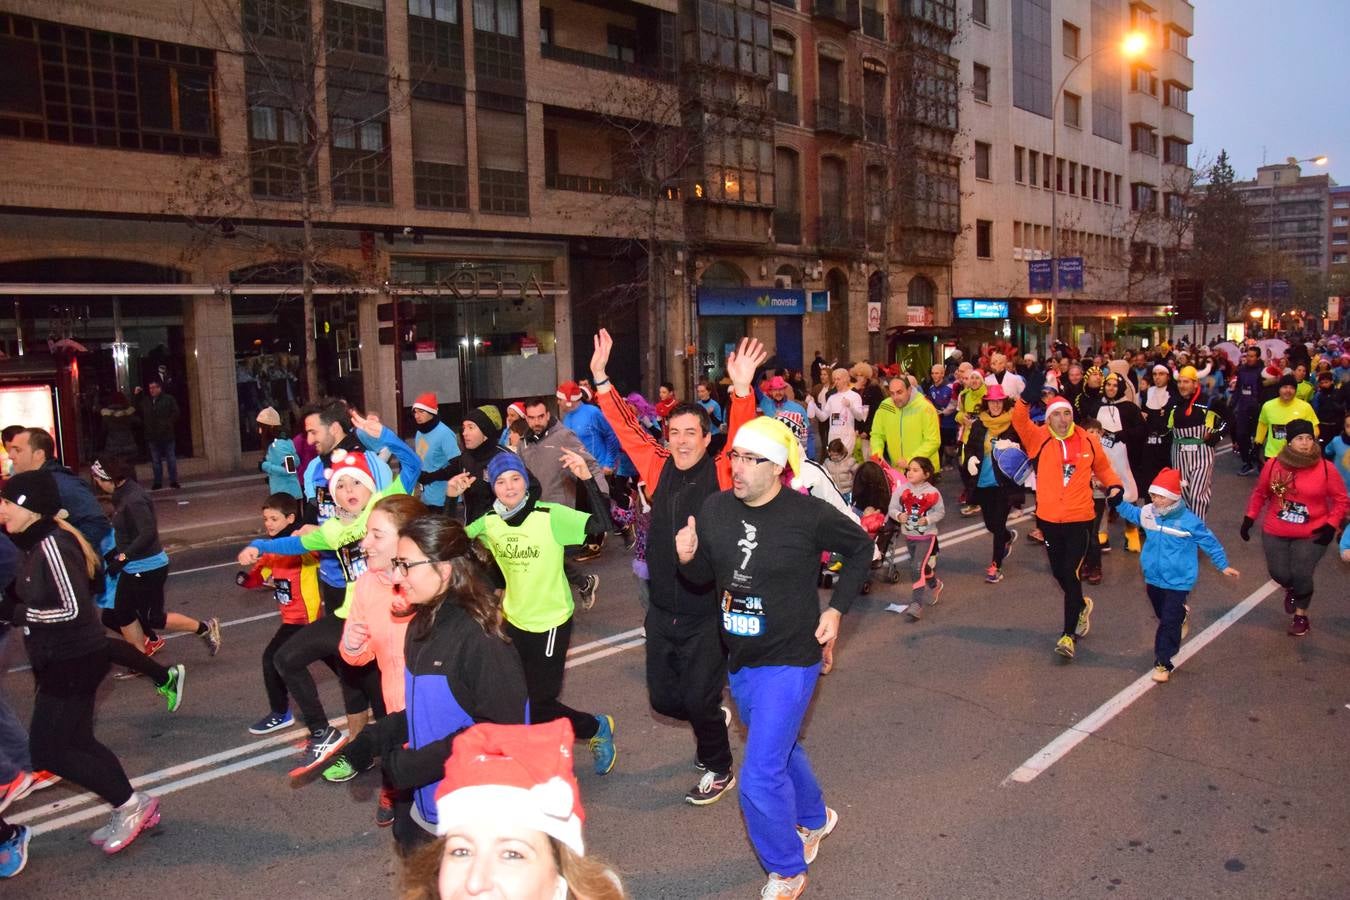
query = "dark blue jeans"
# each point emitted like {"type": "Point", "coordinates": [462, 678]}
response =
{"type": "Point", "coordinates": [161, 452]}
{"type": "Point", "coordinates": [13, 737]}
{"type": "Point", "coordinates": [1170, 608]}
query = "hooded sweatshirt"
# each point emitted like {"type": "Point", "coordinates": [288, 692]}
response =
{"type": "Point", "coordinates": [1169, 557]}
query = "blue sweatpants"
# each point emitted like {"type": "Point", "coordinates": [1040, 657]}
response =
{"type": "Point", "coordinates": [13, 738]}
{"type": "Point", "coordinates": [1170, 608]}
{"type": "Point", "coordinates": [778, 790]}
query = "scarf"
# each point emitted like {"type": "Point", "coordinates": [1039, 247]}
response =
{"type": "Point", "coordinates": [506, 512]}
{"type": "Point", "coordinates": [534, 437]}
{"type": "Point", "coordinates": [994, 426]}
{"type": "Point", "coordinates": [1292, 459]}
{"type": "Point", "coordinates": [425, 427]}
{"type": "Point", "coordinates": [30, 537]}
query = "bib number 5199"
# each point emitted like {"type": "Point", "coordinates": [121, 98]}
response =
{"type": "Point", "coordinates": [741, 624]}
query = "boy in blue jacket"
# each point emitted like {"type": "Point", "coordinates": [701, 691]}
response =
{"type": "Point", "coordinates": [1170, 561]}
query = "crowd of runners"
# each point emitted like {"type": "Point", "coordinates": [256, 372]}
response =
{"type": "Point", "coordinates": [439, 578]}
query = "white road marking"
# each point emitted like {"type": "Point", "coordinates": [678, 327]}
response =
{"type": "Point", "coordinates": [1075, 734]}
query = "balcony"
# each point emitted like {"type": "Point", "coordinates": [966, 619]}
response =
{"type": "Point", "coordinates": [785, 108]}
{"type": "Point", "coordinates": [845, 12]}
{"type": "Point", "coordinates": [874, 23]}
{"type": "Point", "coordinates": [840, 234]}
{"type": "Point", "coordinates": [838, 118]}
{"type": "Point", "coordinates": [603, 62]}
{"type": "Point", "coordinates": [787, 226]}
{"type": "Point", "coordinates": [584, 184]}
{"type": "Point", "coordinates": [874, 128]}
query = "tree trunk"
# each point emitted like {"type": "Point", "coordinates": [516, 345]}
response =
{"type": "Point", "coordinates": [307, 255]}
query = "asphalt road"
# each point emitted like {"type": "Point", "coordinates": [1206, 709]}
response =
{"type": "Point", "coordinates": [1231, 781]}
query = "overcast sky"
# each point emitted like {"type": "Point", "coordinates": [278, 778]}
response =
{"type": "Point", "coordinates": [1272, 80]}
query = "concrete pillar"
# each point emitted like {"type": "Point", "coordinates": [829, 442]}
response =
{"type": "Point", "coordinates": [377, 361]}
{"type": "Point", "coordinates": [208, 332]}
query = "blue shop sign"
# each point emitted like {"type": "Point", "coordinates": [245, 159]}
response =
{"type": "Point", "coordinates": [970, 308]}
{"type": "Point", "coordinates": [751, 302]}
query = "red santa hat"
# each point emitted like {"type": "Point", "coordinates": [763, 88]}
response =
{"type": "Point", "coordinates": [569, 391]}
{"type": "Point", "coordinates": [519, 773]}
{"type": "Point", "coordinates": [518, 408]}
{"type": "Point", "coordinates": [427, 403]}
{"type": "Point", "coordinates": [350, 465]}
{"type": "Point", "coordinates": [1058, 403]}
{"type": "Point", "coordinates": [1167, 484]}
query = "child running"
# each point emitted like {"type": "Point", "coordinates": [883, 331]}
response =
{"type": "Point", "coordinates": [1169, 561]}
{"type": "Point", "coordinates": [527, 538]}
{"type": "Point", "coordinates": [917, 507]}
{"type": "Point", "coordinates": [295, 587]}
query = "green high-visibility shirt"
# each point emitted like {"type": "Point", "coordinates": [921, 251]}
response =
{"type": "Point", "coordinates": [530, 555]}
{"type": "Point", "coordinates": [1275, 414]}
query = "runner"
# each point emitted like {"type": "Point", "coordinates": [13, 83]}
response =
{"type": "Point", "coordinates": [527, 538]}
{"type": "Point", "coordinates": [686, 666]}
{"type": "Point", "coordinates": [435, 445]}
{"type": "Point", "coordinates": [762, 546]}
{"type": "Point", "coordinates": [1123, 440]}
{"type": "Point", "coordinates": [52, 599]}
{"type": "Point", "coordinates": [1156, 406]}
{"type": "Point", "coordinates": [1305, 502]}
{"type": "Point", "coordinates": [1066, 460]}
{"type": "Point", "coordinates": [841, 407]}
{"type": "Point", "coordinates": [1277, 413]}
{"type": "Point", "coordinates": [1195, 430]}
{"type": "Point", "coordinates": [993, 488]}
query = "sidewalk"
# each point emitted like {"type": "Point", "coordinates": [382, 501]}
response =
{"type": "Point", "coordinates": [214, 508]}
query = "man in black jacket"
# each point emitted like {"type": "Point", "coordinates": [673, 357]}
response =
{"type": "Point", "coordinates": [159, 414]}
{"type": "Point", "coordinates": [33, 450]}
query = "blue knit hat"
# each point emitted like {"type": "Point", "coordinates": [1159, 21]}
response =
{"type": "Point", "coordinates": [504, 462]}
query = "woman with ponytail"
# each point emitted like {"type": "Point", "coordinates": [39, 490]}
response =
{"type": "Point", "coordinates": [459, 669]}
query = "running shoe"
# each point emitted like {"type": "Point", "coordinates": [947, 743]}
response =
{"type": "Point", "coordinates": [710, 788]}
{"type": "Point", "coordinates": [588, 553]}
{"type": "Point", "coordinates": [1036, 536]}
{"type": "Point", "coordinates": [153, 645]}
{"type": "Point", "coordinates": [1084, 619]}
{"type": "Point", "coordinates": [321, 746]}
{"type": "Point", "coordinates": [1064, 647]}
{"type": "Point", "coordinates": [15, 789]}
{"type": "Point", "coordinates": [779, 887]}
{"type": "Point", "coordinates": [811, 837]}
{"type": "Point", "coordinates": [589, 585]}
{"type": "Point", "coordinates": [914, 611]}
{"type": "Point", "coordinates": [1092, 574]}
{"type": "Point", "coordinates": [1247, 470]}
{"type": "Point", "coordinates": [127, 824]}
{"type": "Point", "coordinates": [172, 690]}
{"type": "Point", "coordinates": [993, 574]}
{"type": "Point", "coordinates": [1186, 624]}
{"type": "Point", "coordinates": [629, 534]}
{"type": "Point", "coordinates": [14, 852]}
{"type": "Point", "coordinates": [1289, 603]}
{"type": "Point", "coordinates": [341, 770]}
{"type": "Point", "coordinates": [1012, 539]}
{"type": "Point", "coordinates": [41, 779]}
{"type": "Point", "coordinates": [1161, 674]}
{"type": "Point", "coordinates": [1104, 541]}
{"type": "Point", "coordinates": [969, 509]}
{"type": "Point", "coordinates": [602, 745]}
{"type": "Point", "coordinates": [384, 810]}
{"type": "Point", "coordinates": [937, 591]}
{"type": "Point", "coordinates": [1299, 626]}
{"type": "Point", "coordinates": [212, 636]}
{"type": "Point", "coordinates": [272, 722]}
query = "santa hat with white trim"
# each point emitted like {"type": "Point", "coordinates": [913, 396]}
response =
{"type": "Point", "coordinates": [1168, 484]}
{"type": "Point", "coordinates": [1058, 403]}
{"type": "Point", "coordinates": [520, 773]}
{"type": "Point", "coordinates": [767, 437]}
{"type": "Point", "coordinates": [346, 464]}
{"type": "Point", "coordinates": [427, 403]}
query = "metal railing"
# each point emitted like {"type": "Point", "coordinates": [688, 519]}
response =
{"type": "Point", "coordinates": [787, 226]}
{"type": "Point", "coordinates": [838, 118]}
{"type": "Point", "coordinates": [843, 11]}
{"type": "Point", "coordinates": [840, 233]}
{"type": "Point", "coordinates": [785, 108]}
{"type": "Point", "coordinates": [606, 63]}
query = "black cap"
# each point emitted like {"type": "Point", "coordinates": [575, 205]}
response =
{"type": "Point", "coordinates": [1287, 381]}
{"type": "Point", "coordinates": [34, 491]}
{"type": "Point", "coordinates": [1296, 427]}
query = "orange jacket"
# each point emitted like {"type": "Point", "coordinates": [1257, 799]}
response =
{"type": "Point", "coordinates": [1059, 497]}
{"type": "Point", "coordinates": [372, 597]}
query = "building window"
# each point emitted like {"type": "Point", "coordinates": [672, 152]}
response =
{"type": "Point", "coordinates": [545, 26]}
{"type": "Point", "coordinates": [1059, 174]}
{"type": "Point", "coordinates": [1096, 184]}
{"type": "Point", "coordinates": [1174, 151]}
{"type": "Point", "coordinates": [360, 157]}
{"type": "Point", "coordinates": [621, 44]}
{"type": "Point", "coordinates": [440, 170]}
{"type": "Point", "coordinates": [75, 86]}
{"type": "Point", "coordinates": [1033, 168]}
{"type": "Point", "coordinates": [787, 213]}
{"type": "Point", "coordinates": [1071, 36]}
{"type": "Point", "coordinates": [286, 20]}
{"type": "Point", "coordinates": [503, 185]}
{"type": "Point", "coordinates": [740, 169]}
{"type": "Point", "coordinates": [980, 85]}
{"type": "Point", "coordinates": [1174, 206]}
{"type": "Point", "coordinates": [1045, 171]}
{"type": "Point", "coordinates": [435, 38]}
{"type": "Point", "coordinates": [1341, 203]}
{"type": "Point", "coordinates": [1031, 69]}
{"type": "Point", "coordinates": [1175, 96]}
{"type": "Point", "coordinates": [1338, 238]}
{"type": "Point", "coordinates": [734, 34]}
{"type": "Point", "coordinates": [1018, 160]}
{"type": "Point", "coordinates": [497, 17]}
{"type": "Point", "coordinates": [979, 11]}
{"type": "Point", "coordinates": [1119, 198]}
{"type": "Point", "coordinates": [1073, 110]}
{"type": "Point", "coordinates": [874, 102]}
{"type": "Point", "coordinates": [785, 78]}
{"type": "Point", "coordinates": [1142, 198]}
{"type": "Point", "coordinates": [1143, 80]}
{"type": "Point", "coordinates": [1339, 259]}
{"type": "Point", "coordinates": [440, 10]}
{"type": "Point", "coordinates": [274, 153]}
{"type": "Point", "coordinates": [983, 152]}
{"type": "Point", "coordinates": [1176, 39]}
{"type": "Point", "coordinates": [1143, 139]}
{"type": "Point", "coordinates": [1340, 221]}
{"type": "Point", "coordinates": [356, 26]}
{"type": "Point", "coordinates": [984, 239]}
{"type": "Point", "coordinates": [498, 54]}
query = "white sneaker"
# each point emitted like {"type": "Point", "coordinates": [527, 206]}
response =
{"type": "Point", "coordinates": [779, 887]}
{"type": "Point", "coordinates": [127, 824]}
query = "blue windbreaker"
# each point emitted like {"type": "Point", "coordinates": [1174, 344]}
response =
{"type": "Point", "coordinates": [1169, 558]}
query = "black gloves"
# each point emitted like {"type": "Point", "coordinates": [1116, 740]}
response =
{"type": "Point", "coordinates": [112, 564]}
{"type": "Point", "coordinates": [1115, 496]}
{"type": "Point", "coordinates": [1322, 536]}
{"type": "Point", "coordinates": [425, 479]}
{"type": "Point", "coordinates": [1246, 529]}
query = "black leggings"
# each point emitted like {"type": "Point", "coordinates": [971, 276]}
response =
{"type": "Point", "coordinates": [543, 655]}
{"type": "Point", "coordinates": [994, 509]}
{"type": "Point", "coordinates": [121, 653]}
{"type": "Point", "coordinates": [318, 642]}
{"type": "Point", "coordinates": [1066, 544]}
{"type": "Point", "coordinates": [139, 596]}
{"type": "Point", "coordinates": [61, 737]}
{"type": "Point", "coordinates": [277, 697]}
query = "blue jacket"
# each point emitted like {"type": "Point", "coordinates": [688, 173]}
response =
{"type": "Point", "coordinates": [588, 423]}
{"type": "Point", "coordinates": [1169, 558]}
{"type": "Point", "coordinates": [80, 504]}
{"type": "Point", "coordinates": [280, 481]}
{"type": "Point", "coordinates": [1338, 451]}
{"type": "Point", "coordinates": [435, 448]}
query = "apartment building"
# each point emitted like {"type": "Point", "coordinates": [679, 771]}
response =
{"type": "Point", "coordinates": [1292, 212]}
{"type": "Point", "coordinates": [469, 187]}
{"type": "Point", "coordinates": [1112, 146]}
{"type": "Point", "coordinates": [1339, 235]}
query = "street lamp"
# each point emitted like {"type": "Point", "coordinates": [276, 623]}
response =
{"type": "Point", "coordinates": [1320, 160]}
{"type": "Point", "coordinates": [1132, 46]}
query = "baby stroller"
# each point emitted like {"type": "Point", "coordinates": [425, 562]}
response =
{"type": "Point", "coordinates": [873, 485]}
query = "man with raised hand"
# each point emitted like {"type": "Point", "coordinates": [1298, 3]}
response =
{"type": "Point", "coordinates": [686, 667]}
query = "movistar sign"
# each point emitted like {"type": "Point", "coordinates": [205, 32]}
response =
{"type": "Point", "coordinates": [751, 301]}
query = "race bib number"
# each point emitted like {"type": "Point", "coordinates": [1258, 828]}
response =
{"type": "Point", "coordinates": [281, 590]}
{"type": "Point", "coordinates": [352, 559]}
{"type": "Point", "coordinates": [1294, 513]}
{"type": "Point", "coordinates": [1108, 440]}
{"type": "Point", "coordinates": [839, 419]}
{"type": "Point", "coordinates": [1278, 432]}
{"type": "Point", "coordinates": [1248, 392]}
{"type": "Point", "coordinates": [1068, 470]}
{"type": "Point", "coordinates": [742, 614]}
{"type": "Point", "coordinates": [1155, 439]}
{"type": "Point", "coordinates": [323, 500]}
{"type": "Point", "coordinates": [1188, 448]}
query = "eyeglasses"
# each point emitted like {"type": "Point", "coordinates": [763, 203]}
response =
{"type": "Point", "coordinates": [400, 567]}
{"type": "Point", "coordinates": [738, 457]}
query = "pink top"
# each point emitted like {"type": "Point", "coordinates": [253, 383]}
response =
{"type": "Point", "coordinates": [371, 599]}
